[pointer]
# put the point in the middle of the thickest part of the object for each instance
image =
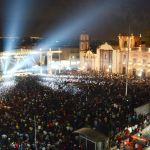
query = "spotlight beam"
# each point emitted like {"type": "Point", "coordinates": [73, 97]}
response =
{"type": "Point", "coordinates": [83, 19]}
{"type": "Point", "coordinates": [15, 26]}
{"type": "Point", "coordinates": [69, 28]}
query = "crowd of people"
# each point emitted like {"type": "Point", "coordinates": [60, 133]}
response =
{"type": "Point", "coordinates": [44, 116]}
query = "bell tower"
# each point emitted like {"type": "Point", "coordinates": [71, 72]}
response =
{"type": "Point", "coordinates": [84, 47]}
{"type": "Point", "coordinates": [131, 41]}
{"type": "Point", "coordinates": [84, 42]}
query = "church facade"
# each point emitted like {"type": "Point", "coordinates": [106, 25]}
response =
{"type": "Point", "coordinates": [129, 55]}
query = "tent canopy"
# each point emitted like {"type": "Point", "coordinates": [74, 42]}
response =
{"type": "Point", "coordinates": [91, 134]}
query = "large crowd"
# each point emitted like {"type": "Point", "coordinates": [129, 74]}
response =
{"type": "Point", "coordinates": [37, 116]}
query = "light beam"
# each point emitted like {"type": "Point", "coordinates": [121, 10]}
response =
{"type": "Point", "coordinates": [16, 12]}
{"type": "Point", "coordinates": [84, 18]}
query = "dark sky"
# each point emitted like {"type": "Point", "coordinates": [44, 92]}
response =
{"type": "Point", "coordinates": [102, 19]}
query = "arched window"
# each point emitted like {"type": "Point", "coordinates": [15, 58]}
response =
{"type": "Point", "coordinates": [134, 72]}
{"type": "Point", "coordinates": [125, 44]}
{"type": "Point", "coordinates": [105, 56]}
{"type": "Point", "coordinates": [124, 70]}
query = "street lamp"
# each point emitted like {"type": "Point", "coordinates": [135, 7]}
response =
{"type": "Point", "coordinates": [50, 61]}
{"type": "Point", "coordinates": [127, 65]}
{"type": "Point", "coordinates": [40, 61]}
{"type": "Point", "coordinates": [59, 61]}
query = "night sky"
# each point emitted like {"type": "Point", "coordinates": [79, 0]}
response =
{"type": "Point", "coordinates": [102, 19]}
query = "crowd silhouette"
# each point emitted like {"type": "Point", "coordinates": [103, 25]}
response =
{"type": "Point", "coordinates": [34, 115]}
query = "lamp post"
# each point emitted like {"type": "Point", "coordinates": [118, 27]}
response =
{"type": "Point", "coordinates": [40, 61]}
{"type": "Point", "coordinates": [50, 61]}
{"type": "Point", "coordinates": [59, 61]}
{"type": "Point", "coordinates": [127, 65]}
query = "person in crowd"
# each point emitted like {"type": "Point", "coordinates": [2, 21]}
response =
{"type": "Point", "coordinates": [43, 113]}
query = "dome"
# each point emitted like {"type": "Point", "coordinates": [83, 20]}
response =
{"type": "Point", "coordinates": [106, 46]}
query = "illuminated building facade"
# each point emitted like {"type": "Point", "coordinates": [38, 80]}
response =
{"type": "Point", "coordinates": [64, 56]}
{"type": "Point", "coordinates": [114, 59]}
{"type": "Point", "coordinates": [107, 58]}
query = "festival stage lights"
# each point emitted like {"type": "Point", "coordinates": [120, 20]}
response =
{"type": "Point", "coordinates": [28, 60]}
{"type": "Point", "coordinates": [69, 28]}
{"type": "Point", "coordinates": [16, 11]}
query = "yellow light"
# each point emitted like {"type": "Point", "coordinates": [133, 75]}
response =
{"type": "Point", "coordinates": [107, 70]}
{"type": "Point", "coordinates": [109, 66]}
